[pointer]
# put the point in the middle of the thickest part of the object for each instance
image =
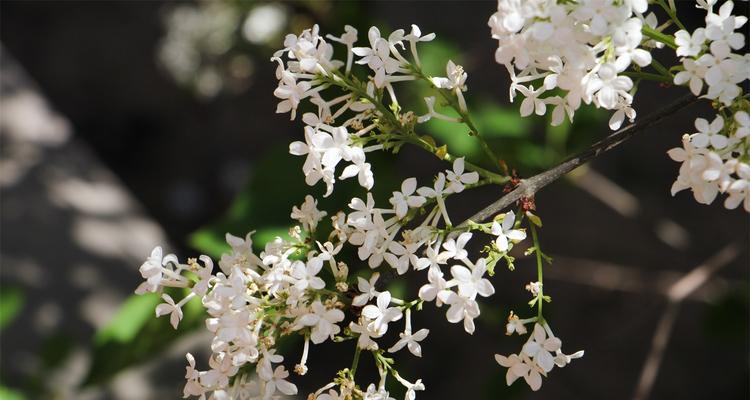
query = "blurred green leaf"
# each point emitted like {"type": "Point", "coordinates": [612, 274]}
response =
{"type": "Point", "coordinates": [494, 121]}
{"type": "Point", "coordinates": [10, 394]}
{"type": "Point", "coordinates": [265, 204]}
{"type": "Point", "coordinates": [456, 137]}
{"type": "Point", "coordinates": [209, 242]}
{"type": "Point", "coordinates": [130, 318]}
{"type": "Point", "coordinates": [435, 55]}
{"type": "Point", "coordinates": [135, 335]}
{"type": "Point", "coordinates": [11, 302]}
{"type": "Point", "coordinates": [269, 233]}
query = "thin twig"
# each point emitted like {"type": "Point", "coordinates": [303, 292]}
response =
{"type": "Point", "coordinates": [528, 187]}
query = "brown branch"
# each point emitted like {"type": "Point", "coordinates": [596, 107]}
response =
{"type": "Point", "coordinates": [528, 187]}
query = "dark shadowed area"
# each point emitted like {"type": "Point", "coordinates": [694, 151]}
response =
{"type": "Point", "coordinates": [125, 125]}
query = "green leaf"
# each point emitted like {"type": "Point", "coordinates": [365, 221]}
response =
{"type": "Point", "coordinates": [265, 203]}
{"type": "Point", "coordinates": [7, 393]}
{"type": "Point", "coordinates": [11, 302]}
{"type": "Point", "coordinates": [494, 121]}
{"type": "Point", "coordinates": [455, 137]}
{"type": "Point", "coordinates": [135, 335]}
{"type": "Point", "coordinates": [435, 55]}
{"type": "Point", "coordinates": [129, 319]}
{"type": "Point", "coordinates": [269, 233]}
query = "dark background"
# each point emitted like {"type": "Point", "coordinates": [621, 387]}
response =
{"type": "Point", "coordinates": [185, 157]}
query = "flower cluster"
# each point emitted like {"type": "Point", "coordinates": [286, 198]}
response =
{"type": "Point", "coordinates": [716, 158]}
{"type": "Point", "coordinates": [535, 358]}
{"type": "Point", "coordinates": [302, 285]}
{"type": "Point", "coordinates": [580, 48]}
{"type": "Point", "coordinates": [353, 117]}
{"type": "Point", "coordinates": [255, 299]}
{"type": "Point", "coordinates": [588, 51]}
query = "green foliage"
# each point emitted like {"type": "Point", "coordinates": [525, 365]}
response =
{"type": "Point", "coordinates": [7, 393]}
{"type": "Point", "coordinates": [11, 303]}
{"type": "Point", "coordinates": [265, 204]}
{"type": "Point", "coordinates": [135, 335]}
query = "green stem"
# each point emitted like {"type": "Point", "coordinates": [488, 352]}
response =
{"type": "Point", "coordinates": [347, 84]}
{"type": "Point", "coordinates": [538, 251]}
{"type": "Point", "coordinates": [489, 175]}
{"type": "Point", "coordinates": [465, 117]}
{"type": "Point", "coordinates": [658, 36]}
{"type": "Point", "coordinates": [659, 67]}
{"type": "Point", "coordinates": [355, 362]}
{"type": "Point", "coordinates": [672, 14]}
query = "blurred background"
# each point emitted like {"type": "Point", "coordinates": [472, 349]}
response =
{"type": "Point", "coordinates": [124, 125]}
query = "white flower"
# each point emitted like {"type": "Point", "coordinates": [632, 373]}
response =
{"type": "Point", "coordinates": [192, 376]}
{"type": "Point", "coordinates": [743, 124]}
{"type": "Point", "coordinates": [291, 92]}
{"type": "Point", "coordinates": [456, 78]}
{"type": "Point", "coordinates": [278, 381]}
{"type": "Point", "coordinates": [436, 289]}
{"type": "Point", "coordinates": [323, 322]}
{"type": "Point", "coordinates": [364, 341]}
{"type": "Point", "coordinates": [462, 308]}
{"type": "Point", "coordinates": [377, 57]}
{"type": "Point", "coordinates": [308, 214]}
{"type": "Point", "coordinates": [400, 256]}
{"type": "Point", "coordinates": [722, 78]}
{"type": "Point", "coordinates": [619, 116]}
{"type": "Point", "coordinates": [153, 270]}
{"type": "Point", "coordinates": [414, 37]}
{"type": "Point", "coordinates": [406, 198]}
{"type": "Point", "coordinates": [539, 347]}
{"type": "Point", "coordinates": [561, 360]}
{"type": "Point", "coordinates": [431, 113]}
{"type": "Point", "coordinates": [471, 283]}
{"type": "Point", "coordinates": [531, 102]}
{"type": "Point", "coordinates": [232, 326]}
{"type": "Point", "coordinates": [174, 310]}
{"type": "Point", "coordinates": [515, 325]}
{"type": "Point", "coordinates": [241, 255]}
{"type": "Point", "coordinates": [366, 289]}
{"type": "Point", "coordinates": [693, 74]}
{"type": "Point", "coordinates": [456, 82]}
{"type": "Point", "coordinates": [376, 393]}
{"type": "Point", "coordinates": [360, 169]}
{"type": "Point", "coordinates": [725, 11]}
{"type": "Point", "coordinates": [363, 211]}
{"type": "Point", "coordinates": [457, 178]}
{"type": "Point", "coordinates": [688, 45]}
{"type": "Point", "coordinates": [381, 314]}
{"type": "Point", "coordinates": [709, 133]}
{"type": "Point", "coordinates": [739, 190]}
{"type": "Point", "coordinates": [505, 232]}
{"type": "Point", "coordinates": [454, 248]}
{"type": "Point", "coordinates": [411, 389]}
{"type": "Point", "coordinates": [724, 38]}
{"type": "Point", "coordinates": [431, 259]}
{"type": "Point", "coordinates": [411, 341]}
{"type": "Point", "coordinates": [609, 87]}
{"type": "Point", "coordinates": [306, 274]}
{"type": "Point", "coordinates": [520, 367]}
